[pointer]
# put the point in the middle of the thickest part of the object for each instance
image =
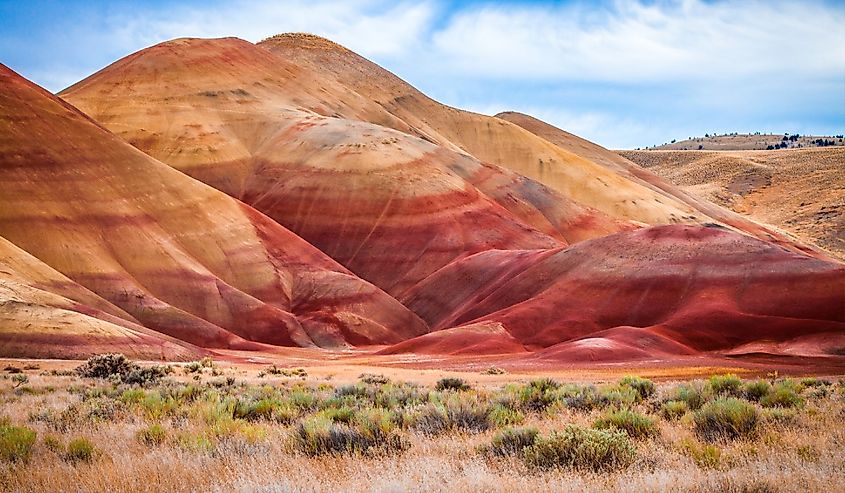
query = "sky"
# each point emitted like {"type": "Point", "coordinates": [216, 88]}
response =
{"type": "Point", "coordinates": [624, 74]}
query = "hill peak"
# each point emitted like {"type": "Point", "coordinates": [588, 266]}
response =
{"type": "Point", "coordinates": [302, 40]}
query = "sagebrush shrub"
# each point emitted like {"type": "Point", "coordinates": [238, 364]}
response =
{"type": "Point", "coordinates": [154, 434]}
{"type": "Point", "coordinates": [674, 409]}
{"type": "Point", "coordinates": [644, 387]}
{"type": "Point", "coordinates": [727, 418]}
{"type": "Point", "coordinates": [16, 443]}
{"type": "Point", "coordinates": [706, 456]}
{"type": "Point", "coordinates": [79, 450]}
{"type": "Point", "coordinates": [373, 379]}
{"type": "Point", "coordinates": [452, 383]}
{"type": "Point", "coordinates": [318, 435]}
{"type": "Point", "coordinates": [453, 414]}
{"type": "Point", "coordinates": [783, 394]}
{"type": "Point", "coordinates": [635, 424]}
{"type": "Point", "coordinates": [756, 390]}
{"type": "Point", "coordinates": [501, 415]}
{"type": "Point", "coordinates": [729, 384]}
{"type": "Point", "coordinates": [581, 448]}
{"type": "Point", "coordinates": [695, 394]}
{"type": "Point", "coordinates": [512, 441]}
{"type": "Point", "coordinates": [105, 365]}
{"type": "Point", "coordinates": [117, 366]}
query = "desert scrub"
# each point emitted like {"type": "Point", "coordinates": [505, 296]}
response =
{"type": "Point", "coordinates": [705, 456]}
{"type": "Point", "coordinates": [152, 435]}
{"type": "Point", "coordinates": [538, 394]}
{"type": "Point", "coordinates": [79, 450]}
{"type": "Point", "coordinates": [635, 424]}
{"type": "Point", "coordinates": [756, 390]}
{"type": "Point", "coordinates": [451, 383]}
{"type": "Point", "coordinates": [727, 417]}
{"type": "Point", "coordinates": [371, 432]}
{"type": "Point", "coordinates": [581, 448]}
{"type": "Point", "coordinates": [783, 394]}
{"type": "Point", "coordinates": [618, 396]}
{"type": "Point", "coordinates": [726, 385]}
{"type": "Point", "coordinates": [673, 410]}
{"type": "Point", "coordinates": [694, 393]}
{"type": "Point", "coordinates": [780, 416]}
{"type": "Point", "coordinates": [453, 414]}
{"type": "Point", "coordinates": [511, 441]}
{"type": "Point", "coordinates": [15, 443]}
{"type": "Point", "coordinates": [373, 379]}
{"type": "Point", "coordinates": [266, 409]}
{"type": "Point", "coordinates": [117, 367]}
{"type": "Point", "coordinates": [501, 415]}
{"type": "Point", "coordinates": [644, 387]}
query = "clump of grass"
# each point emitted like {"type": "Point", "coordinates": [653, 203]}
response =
{"type": "Point", "coordinates": [727, 418]}
{"type": "Point", "coordinates": [494, 370]}
{"type": "Point", "coordinates": [644, 387]}
{"type": "Point", "coordinates": [512, 441]}
{"type": "Point", "coordinates": [635, 424]}
{"type": "Point", "coordinates": [673, 410]}
{"type": "Point", "coordinates": [706, 456]}
{"type": "Point", "coordinates": [783, 394]}
{"type": "Point", "coordinates": [154, 434]}
{"type": "Point", "coordinates": [16, 443]}
{"type": "Point", "coordinates": [808, 453]}
{"type": "Point", "coordinates": [452, 383]}
{"type": "Point", "coordinates": [756, 390]}
{"type": "Point", "coordinates": [80, 450]}
{"type": "Point", "coordinates": [728, 384]}
{"type": "Point", "coordinates": [581, 448]}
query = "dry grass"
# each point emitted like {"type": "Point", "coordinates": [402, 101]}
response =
{"type": "Point", "coordinates": [199, 445]}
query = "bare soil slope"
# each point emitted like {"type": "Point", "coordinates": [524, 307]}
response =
{"type": "Point", "coordinates": [798, 190]}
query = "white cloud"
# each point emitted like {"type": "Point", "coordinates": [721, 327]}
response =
{"type": "Point", "coordinates": [375, 27]}
{"type": "Point", "coordinates": [634, 42]}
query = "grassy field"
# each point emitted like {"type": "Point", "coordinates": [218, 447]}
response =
{"type": "Point", "coordinates": [117, 426]}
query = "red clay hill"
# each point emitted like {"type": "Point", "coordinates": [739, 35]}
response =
{"type": "Point", "coordinates": [157, 248]}
{"type": "Point", "coordinates": [299, 173]}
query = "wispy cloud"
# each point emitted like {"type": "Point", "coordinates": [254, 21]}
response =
{"type": "Point", "coordinates": [634, 42]}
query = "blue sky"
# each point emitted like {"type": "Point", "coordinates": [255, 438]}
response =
{"type": "Point", "coordinates": [624, 74]}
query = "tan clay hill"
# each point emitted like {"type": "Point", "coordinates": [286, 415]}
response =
{"type": "Point", "coordinates": [502, 240]}
{"type": "Point", "coordinates": [391, 207]}
{"type": "Point", "coordinates": [155, 248]}
{"type": "Point", "coordinates": [798, 190]}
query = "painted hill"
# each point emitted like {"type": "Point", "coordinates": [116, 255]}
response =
{"type": "Point", "coordinates": [664, 290]}
{"type": "Point", "coordinates": [799, 190]}
{"type": "Point", "coordinates": [161, 249]}
{"type": "Point", "coordinates": [500, 236]}
{"type": "Point", "coordinates": [391, 207]}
